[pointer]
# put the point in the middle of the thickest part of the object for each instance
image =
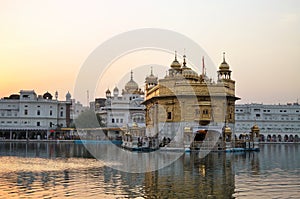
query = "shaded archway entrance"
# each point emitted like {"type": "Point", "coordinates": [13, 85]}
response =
{"type": "Point", "coordinates": [262, 137]}
{"type": "Point", "coordinates": [286, 138]}
{"type": "Point", "coordinates": [296, 138]}
{"type": "Point", "coordinates": [291, 138]}
{"type": "Point", "coordinates": [279, 138]}
{"type": "Point", "coordinates": [269, 138]}
{"type": "Point", "coordinates": [274, 138]}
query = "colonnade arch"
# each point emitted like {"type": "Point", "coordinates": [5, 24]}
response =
{"type": "Point", "coordinates": [280, 138]}
{"type": "Point", "coordinates": [289, 137]}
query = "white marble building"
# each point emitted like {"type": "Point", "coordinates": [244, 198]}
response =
{"type": "Point", "coordinates": [31, 116]}
{"type": "Point", "coordinates": [123, 109]}
{"type": "Point", "coordinates": [277, 123]}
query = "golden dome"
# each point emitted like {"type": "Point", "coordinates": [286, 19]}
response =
{"type": "Point", "coordinates": [175, 64]}
{"type": "Point", "coordinates": [227, 130]}
{"type": "Point", "coordinates": [255, 128]}
{"type": "Point", "coordinates": [189, 74]}
{"type": "Point", "coordinates": [224, 65]}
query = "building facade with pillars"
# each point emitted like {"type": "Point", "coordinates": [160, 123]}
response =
{"type": "Point", "coordinates": [185, 100]}
{"type": "Point", "coordinates": [277, 122]}
{"type": "Point", "coordinates": [31, 116]}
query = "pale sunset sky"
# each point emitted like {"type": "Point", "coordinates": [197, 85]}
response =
{"type": "Point", "coordinates": [43, 44]}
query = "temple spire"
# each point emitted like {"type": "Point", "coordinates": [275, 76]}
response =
{"type": "Point", "coordinates": [184, 62]}
{"type": "Point", "coordinates": [224, 57]}
{"type": "Point", "coordinates": [175, 55]}
{"type": "Point", "coordinates": [151, 71]}
{"type": "Point", "coordinates": [131, 75]}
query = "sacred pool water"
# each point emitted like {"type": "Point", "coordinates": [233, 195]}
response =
{"type": "Point", "coordinates": [67, 170]}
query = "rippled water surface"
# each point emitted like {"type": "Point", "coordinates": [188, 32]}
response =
{"type": "Point", "coordinates": [50, 170]}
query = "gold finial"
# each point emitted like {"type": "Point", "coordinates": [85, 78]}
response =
{"type": "Point", "coordinates": [131, 75]}
{"type": "Point", "coordinates": [151, 70]}
{"type": "Point", "coordinates": [184, 62]}
{"type": "Point", "coordinates": [175, 55]}
{"type": "Point", "coordinates": [223, 56]}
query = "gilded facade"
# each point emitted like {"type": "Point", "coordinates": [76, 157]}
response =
{"type": "Point", "coordinates": [184, 99]}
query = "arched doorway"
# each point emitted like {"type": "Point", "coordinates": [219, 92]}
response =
{"type": "Point", "coordinates": [286, 138]}
{"type": "Point", "coordinates": [241, 136]}
{"type": "Point", "coordinates": [269, 138]}
{"type": "Point", "coordinates": [291, 138]}
{"type": "Point", "coordinates": [279, 138]}
{"type": "Point", "coordinates": [274, 138]}
{"type": "Point", "coordinates": [262, 137]}
{"type": "Point", "coordinates": [296, 138]}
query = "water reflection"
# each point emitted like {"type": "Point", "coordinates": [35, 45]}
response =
{"type": "Point", "coordinates": [67, 170]}
{"type": "Point", "coordinates": [44, 150]}
{"type": "Point", "coordinates": [191, 177]}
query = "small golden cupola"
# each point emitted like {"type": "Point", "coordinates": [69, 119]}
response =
{"type": "Point", "coordinates": [187, 72]}
{"type": "Point", "coordinates": [151, 80]}
{"type": "Point", "coordinates": [227, 130]}
{"type": "Point", "coordinates": [227, 133]}
{"type": "Point", "coordinates": [255, 130]}
{"type": "Point", "coordinates": [224, 71]}
{"type": "Point", "coordinates": [175, 64]}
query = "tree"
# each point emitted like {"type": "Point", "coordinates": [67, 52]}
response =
{"type": "Point", "coordinates": [88, 119]}
{"type": "Point", "coordinates": [100, 120]}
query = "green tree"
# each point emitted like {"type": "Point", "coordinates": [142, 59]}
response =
{"type": "Point", "coordinates": [89, 119]}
